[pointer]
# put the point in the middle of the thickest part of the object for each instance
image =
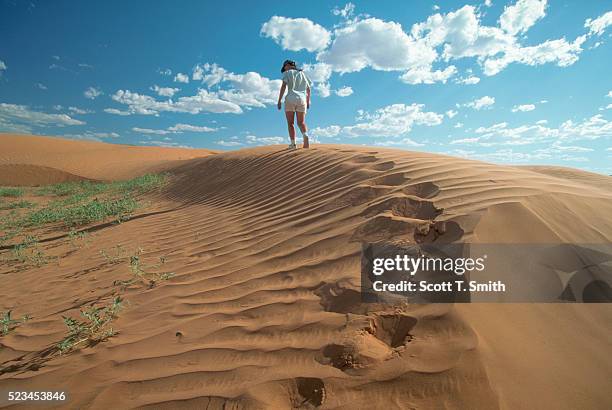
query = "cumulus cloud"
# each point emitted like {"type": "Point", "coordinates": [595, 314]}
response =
{"type": "Point", "coordinates": [13, 116]}
{"type": "Point", "coordinates": [181, 78]}
{"type": "Point", "coordinates": [481, 103]}
{"type": "Point", "coordinates": [368, 42]}
{"type": "Point", "coordinates": [164, 91]}
{"type": "Point", "coordinates": [225, 92]}
{"type": "Point", "coordinates": [523, 108]}
{"type": "Point", "coordinates": [468, 80]}
{"type": "Point", "coordinates": [175, 129]}
{"type": "Point", "coordinates": [561, 52]}
{"type": "Point", "coordinates": [598, 25]}
{"type": "Point", "coordinates": [568, 132]}
{"type": "Point", "coordinates": [76, 110]}
{"type": "Point", "coordinates": [519, 17]}
{"type": "Point", "coordinates": [202, 101]}
{"type": "Point", "coordinates": [117, 112]}
{"type": "Point", "coordinates": [378, 44]}
{"type": "Point", "coordinates": [296, 34]}
{"type": "Point", "coordinates": [391, 121]}
{"type": "Point", "coordinates": [344, 91]}
{"type": "Point", "coordinates": [451, 113]}
{"type": "Point", "coordinates": [424, 75]}
{"type": "Point", "coordinates": [92, 93]}
{"type": "Point", "coordinates": [230, 143]}
{"type": "Point", "coordinates": [2, 66]}
{"type": "Point", "coordinates": [252, 139]}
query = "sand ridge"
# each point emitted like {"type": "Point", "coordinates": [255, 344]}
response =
{"type": "Point", "coordinates": [264, 310]}
{"type": "Point", "coordinates": [38, 160]}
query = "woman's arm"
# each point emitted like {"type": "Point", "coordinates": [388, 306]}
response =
{"type": "Point", "coordinates": [308, 97]}
{"type": "Point", "coordinates": [280, 95]}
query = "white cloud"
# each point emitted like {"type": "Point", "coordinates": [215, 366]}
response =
{"type": "Point", "coordinates": [481, 103]}
{"type": "Point", "coordinates": [609, 95]}
{"type": "Point", "coordinates": [175, 129]}
{"type": "Point", "coordinates": [224, 143]}
{"type": "Point", "coordinates": [326, 132]}
{"type": "Point", "coordinates": [3, 67]}
{"type": "Point", "coordinates": [468, 80]}
{"type": "Point", "coordinates": [519, 17]}
{"type": "Point", "coordinates": [76, 110]}
{"type": "Point", "coordinates": [21, 116]}
{"type": "Point", "coordinates": [117, 112]}
{"type": "Point", "coordinates": [424, 75]}
{"type": "Point", "coordinates": [560, 51]}
{"type": "Point", "coordinates": [460, 34]}
{"type": "Point", "coordinates": [227, 92]}
{"type": "Point", "coordinates": [324, 89]}
{"type": "Point", "coordinates": [41, 86]}
{"type": "Point", "coordinates": [458, 125]}
{"type": "Point", "coordinates": [150, 131]}
{"type": "Point", "coordinates": [402, 142]}
{"type": "Point", "coordinates": [164, 91]}
{"type": "Point", "coordinates": [592, 128]}
{"type": "Point", "coordinates": [252, 139]}
{"type": "Point", "coordinates": [451, 113]}
{"type": "Point", "coordinates": [296, 34]}
{"type": "Point", "coordinates": [523, 107]}
{"type": "Point", "coordinates": [181, 78]}
{"type": "Point", "coordinates": [344, 91]}
{"type": "Point", "coordinates": [166, 71]}
{"type": "Point", "coordinates": [319, 72]}
{"type": "Point", "coordinates": [190, 128]}
{"type": "Point", "coordinates": [202, 101]}
{"type": "Point", "coordinates": [92, 93]}
{"type": "Point", "coordinates": [488, 3]}
{"type": "Point", "coordinates": [378, 44]}
{"type": "Point", "coordinates": [249, 89]}
{"type": "Point", "coordinates": [165, 144]}
{"type": "Point", "coordinates": [346, 12]}
{"type": "Point", "coordinates": [391, 121]}
{"type": "Point", "coordinates": [598, 25]}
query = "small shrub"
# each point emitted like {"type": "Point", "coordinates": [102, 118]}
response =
{"type": "Point", "coordinates": [11, 192]}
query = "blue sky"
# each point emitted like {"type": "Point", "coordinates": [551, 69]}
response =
{"type": "Point", "coordinates": [524, 82]}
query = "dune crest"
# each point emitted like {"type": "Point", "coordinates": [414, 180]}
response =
{"type": "Point", "coordinates": [264, 309]}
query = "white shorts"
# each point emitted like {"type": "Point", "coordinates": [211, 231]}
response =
{"type": "Point", "coordinates": [295, 105]}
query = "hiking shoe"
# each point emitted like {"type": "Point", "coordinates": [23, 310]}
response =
{"type": "Point", "coordinates": [292, 146]}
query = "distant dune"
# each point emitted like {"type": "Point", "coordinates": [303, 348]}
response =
{"type": "Point", "coordinates": [52, 160]}
{"type": "Point", "coordinates": [264, 310]}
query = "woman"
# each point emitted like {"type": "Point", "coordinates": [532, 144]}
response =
{"type": "Point", "coordinates": [297, 100]}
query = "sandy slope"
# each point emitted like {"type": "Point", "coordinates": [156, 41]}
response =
{"type": "Point", "coordinates": [264, 312]}
{"type": "Point", "coordinates": [45, 160]}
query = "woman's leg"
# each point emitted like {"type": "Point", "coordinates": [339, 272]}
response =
{"type": "Point", "coordinates": [290, 127]}
{"type": "Point", "coordinates": [301, 120]}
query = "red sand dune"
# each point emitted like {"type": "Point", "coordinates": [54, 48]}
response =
{"type": "Point", "coordinates": [62, 160]}
{"type": "Point", "coordinates": [263, 310]}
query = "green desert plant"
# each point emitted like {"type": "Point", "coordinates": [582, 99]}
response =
{"type": "Point", "coordinates": [11, 192]}
{"type": "Point", "coordinates": [16, 205]}
{"type": "Point", "coordinates": [95, 328]}
{"type": "Point", "coordinates": [29, 252]}
{"type": "Point", "coordinates": [114, 257]}
{"type": "Point", "coordinates": [144, 273]}
{"type": "Point", "coordinates": [76, 238]}
{"type": "Point", "coordinates": [84, 202]}
{"type": "Point", "coordinates": [9, 324]}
